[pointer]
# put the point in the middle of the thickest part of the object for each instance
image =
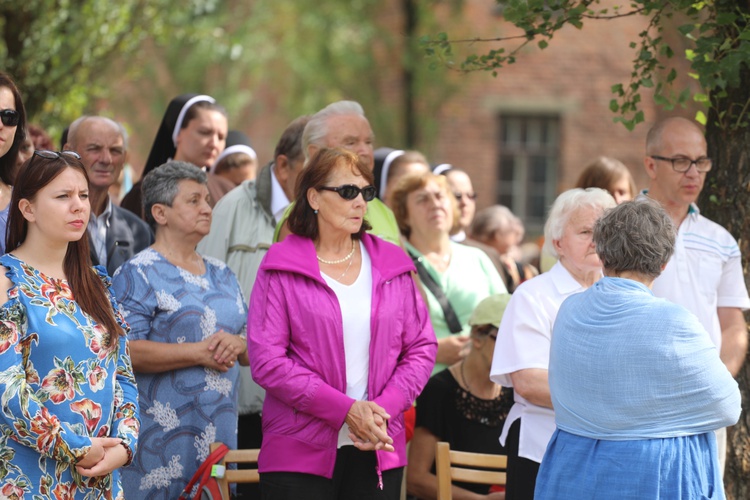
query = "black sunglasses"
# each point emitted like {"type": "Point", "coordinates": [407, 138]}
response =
{"type": "Point", "coordinates": [350, 191]}
{"type": "Point", "coordinates": [52, 155]}
{"type": "Point", "coordinates": [10, 117]}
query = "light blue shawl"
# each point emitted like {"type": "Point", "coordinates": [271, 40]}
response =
{"type": "Point", "coordinates": [626, 365]}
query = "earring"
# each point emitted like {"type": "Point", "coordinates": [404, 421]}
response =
{"type": "Point", "coordinates": [315, 212]}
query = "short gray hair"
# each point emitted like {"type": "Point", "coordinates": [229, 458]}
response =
{"type": "Point", "coordinates": [73, 129]}
{"type": "Point", "coordinates": [161, 185]}
{"type": "Point", "coordinates": [317, 128]}
{"type": "Point", "coordinates": [565, 205]}
{"type": "Point", "coordinates": [492, 220]}
{"type": "Point", "coordinates": [636, 236]}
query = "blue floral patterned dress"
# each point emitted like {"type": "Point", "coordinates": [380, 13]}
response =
{"type": "Point", "coordinates": [61, 385]}
{"type": "Point", "coordinates": [182, 411]}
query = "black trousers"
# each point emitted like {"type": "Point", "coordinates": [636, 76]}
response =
{"type": "Point", "coordinates": [249, 436]}
{"type": "Point", "coordinates": [354, 478]}
{"type": "Point", "coordinates": [521, 471]}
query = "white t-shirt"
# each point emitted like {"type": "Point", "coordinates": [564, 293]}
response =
{"type": "Point", "coordinates": [355, 301]}
{"type": "Point", "coordinates": [523, 342]}
{"type": "Point", "coordinates": [704, 273]}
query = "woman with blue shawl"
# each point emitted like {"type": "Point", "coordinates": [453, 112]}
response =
{"type": "Point", "coordinates": [637, 386]}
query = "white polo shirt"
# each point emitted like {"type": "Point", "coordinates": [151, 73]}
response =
{"type": "Point", "coordinates": [704, 273]}
{"type": "Point", "coordinates": [523, 341]}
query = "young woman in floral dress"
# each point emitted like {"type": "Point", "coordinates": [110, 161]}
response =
{"type": "Point", "coordinates": [68, 413]}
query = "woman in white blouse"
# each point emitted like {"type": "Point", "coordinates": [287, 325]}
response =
{"type": "Point", "coordinates": [522, 349]}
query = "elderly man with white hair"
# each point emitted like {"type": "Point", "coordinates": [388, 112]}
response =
{"type": "Point", "coordinates": [343, 124]}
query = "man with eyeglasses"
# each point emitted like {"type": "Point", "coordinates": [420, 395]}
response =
{"type": "Point", "coordinates": [705, 272]}
{"type": "Point", "coordinates": [115, 234]}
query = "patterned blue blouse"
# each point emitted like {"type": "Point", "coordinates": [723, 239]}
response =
{"type": "Point", "coordinates": [182, 411]}
{"type": "Point", "coordinates": [61, 385]}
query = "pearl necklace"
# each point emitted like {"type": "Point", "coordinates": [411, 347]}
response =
{"type": "Point", "coordinates": [339, 261]}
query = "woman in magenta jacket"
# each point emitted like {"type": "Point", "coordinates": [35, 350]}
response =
{"type": "Point", "coordinates": [340, 339]}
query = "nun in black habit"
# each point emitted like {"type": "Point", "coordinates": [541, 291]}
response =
{"type": "Point", "coordinates": [193, 129]}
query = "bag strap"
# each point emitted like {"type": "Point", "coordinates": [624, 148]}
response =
{"type": "Point", "coordinates": [204, 471]}
{"type": "Point", "coordinates": [434, 287]}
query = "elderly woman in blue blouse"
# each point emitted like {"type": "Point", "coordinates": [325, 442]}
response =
{"type": "Point", "coordinates": [187, 319]}
{"type": "Point", "coordinates": [638, 387]}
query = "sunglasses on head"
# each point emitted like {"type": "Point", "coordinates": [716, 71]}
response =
{"type": "Point", "coordinates": [350, 191]}
{"type": "Point", "coordinates": [9, 117]}
{"type": "Point", "coordinates": [52, 155]}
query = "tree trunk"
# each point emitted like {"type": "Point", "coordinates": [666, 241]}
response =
{"type": "Point", "coordinates": [726, 200]}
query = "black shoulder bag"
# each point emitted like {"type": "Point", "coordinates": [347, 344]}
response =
{"type": "Point", "coordinates": [427, 280]}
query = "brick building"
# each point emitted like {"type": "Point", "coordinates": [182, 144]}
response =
{"type": "Point", "coordinates": [525, 135]}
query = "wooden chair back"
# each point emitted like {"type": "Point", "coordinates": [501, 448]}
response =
{"type": "Point", "coordinates": [462, 466]}
{"type": "Point", "coordinates": [239, 475]}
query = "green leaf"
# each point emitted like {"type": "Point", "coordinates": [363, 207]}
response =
{"type": "Point", "coordinates": [725, 18]}
{"type": "Point", "coordinates": [647, 82]}
{"type": "Point", "coordinates": [700, 97]}
{"type": "Point", "coordinates": [614, 106]}
{"type": "Point", "coordinates": [661, 100]}
{"type": "Point", "coordinates": [686, 28]}
{"type": "Point", "coordinates": [543, 44]}
{"type": "Point", "coordinates": [700, 117]}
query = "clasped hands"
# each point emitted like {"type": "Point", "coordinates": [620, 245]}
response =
{"type": "Point", "coordinates": [223, 349]}
{"type": "Point", "coordinates": [368, 428]}
{"type": "Point", "coordinates": [105, 455]}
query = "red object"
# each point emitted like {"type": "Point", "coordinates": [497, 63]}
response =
{"type": "Point", "coordinates": [410, 420]}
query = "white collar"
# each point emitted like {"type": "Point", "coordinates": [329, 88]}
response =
{"type": "Point", "coordinates": [279, 201]}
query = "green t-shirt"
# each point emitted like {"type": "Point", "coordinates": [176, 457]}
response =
{"type": "Point", "coordinates": [378, 215]}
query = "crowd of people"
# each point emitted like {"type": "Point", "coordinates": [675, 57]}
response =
{"type": "Point", "coordinates": [341, 301]}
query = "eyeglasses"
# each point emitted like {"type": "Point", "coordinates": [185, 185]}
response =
{"type": "Point", "coordinates": [350, 191]}
{"type": "Point", "coordinates": [52, 155]}
{"type": "Point", "coordinates": [488, 330]}
{"type": "Point", "coordinates": [10, 117]}
{"type": "Point", "coordinates": [682, 165]}
{"type": "Point", "coordinates": [469, 196]}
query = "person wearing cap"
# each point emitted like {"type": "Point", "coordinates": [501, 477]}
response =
{"type": "Point", "coordinates": [193, 130]}
{"type": "Point", "coordinates": [637, 385]}
{"type": "Point", "coordinates": [463, 407]}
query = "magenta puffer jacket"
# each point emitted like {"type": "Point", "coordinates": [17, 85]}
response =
{"type": "Point", "coordinates": [296, 349]}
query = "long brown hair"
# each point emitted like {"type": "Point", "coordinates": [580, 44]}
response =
{"type": "Point", "coordinates": [88, 290]}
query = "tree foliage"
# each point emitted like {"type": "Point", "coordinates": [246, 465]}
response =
{"type": "Point", "coordinates": [61, 52]}
{"type": "Point", "coordinates": [717, 30]}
